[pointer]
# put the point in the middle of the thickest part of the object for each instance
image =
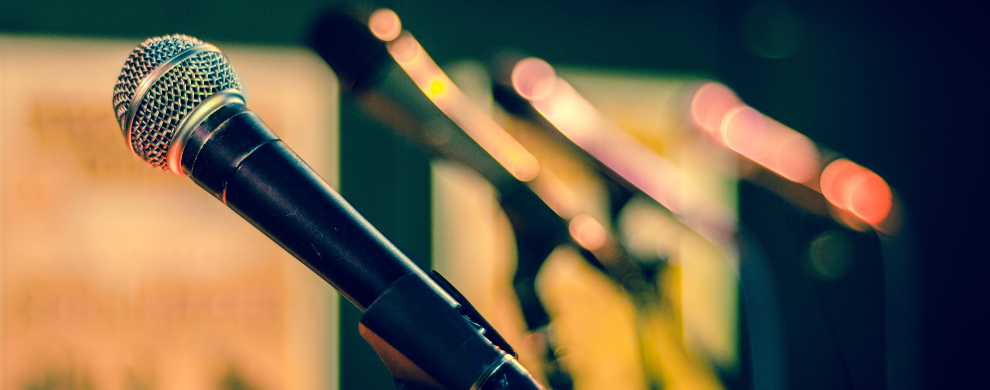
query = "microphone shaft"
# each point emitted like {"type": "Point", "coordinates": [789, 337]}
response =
{"type": "Point", "coordinates": [234, 156]}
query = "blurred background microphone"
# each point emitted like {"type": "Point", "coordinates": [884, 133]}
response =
{"type": "Point", "coordinates": [557, 107]}
{"type": "Point", "coordinates": [543, 213]}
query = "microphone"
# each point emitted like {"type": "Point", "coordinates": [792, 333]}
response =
{"type": "Point", "coordinates": [181, 107]}
{"type": "Point", "coordinates": [530, 89]}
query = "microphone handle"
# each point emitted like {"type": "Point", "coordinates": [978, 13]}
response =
{"type": "Point", "coordinates": [237, 158]}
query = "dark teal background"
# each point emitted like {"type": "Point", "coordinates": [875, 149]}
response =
{"type": "Point", "coordinates": [899, 88]}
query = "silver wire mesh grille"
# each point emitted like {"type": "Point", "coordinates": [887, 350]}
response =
{"type": "Point", "coordinates": [146, 57]}
{"type": "Point", "coordinates": [172, 96]}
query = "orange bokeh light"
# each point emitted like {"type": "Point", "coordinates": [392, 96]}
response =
{"type": "Point", "coordinates": [588, 232]}
{"type": "Point", "coordinates": [851, 187]}
{"type": "Point", "coordinates": [385, 24]}
{"type": "Point", "coordinates": [868, 197]}
{"type": "Point", "coordinates": [848, 186]}
{"type": "Point", "coordinates": [834, 178]}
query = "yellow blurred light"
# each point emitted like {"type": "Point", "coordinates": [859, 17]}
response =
{"type": "Point", "coordinates": [385, 24]}
{"type": "Point", "coordinates": [588, 232]}
{"type": "Point", "coordinates": [459, 108]}
{"type": "Point", "coordinates": [436, 88]}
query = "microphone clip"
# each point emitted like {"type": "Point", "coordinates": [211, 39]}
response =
{"type": "Point", "coordinates": [429, 343]}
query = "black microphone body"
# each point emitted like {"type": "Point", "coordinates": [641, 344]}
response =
{"type": "Point", "coordinates": [235, 157]}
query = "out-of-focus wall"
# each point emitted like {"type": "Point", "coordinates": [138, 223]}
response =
{"type": "Point", "coordinates": [115, 275]}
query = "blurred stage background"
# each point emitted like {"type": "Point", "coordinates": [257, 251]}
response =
{"type": "Point", "coordinates": [896, 88]}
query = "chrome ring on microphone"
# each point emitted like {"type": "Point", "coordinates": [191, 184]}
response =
{"type": "Point", "coordinates": [203, 110]}
{"type": "Point", "coordinates": [483, 379]}
{"type": "Point", "coordinates": [149, 79]}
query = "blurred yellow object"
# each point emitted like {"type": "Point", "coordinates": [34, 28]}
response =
{"type": "Point", "coordinates": [609, 342]}
{"type": "Point", "coordinates": [594, 322]}
{"type": "Point", "coordinates": [664, 352]}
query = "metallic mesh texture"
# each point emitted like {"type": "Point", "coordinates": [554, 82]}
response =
{"type": "Point", "coordinates": [172, 97]}
{"type": "Point", "coordinates": [146, 57]}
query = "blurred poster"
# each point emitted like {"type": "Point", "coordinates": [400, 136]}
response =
{"type": "Point", "coordinates": [115, 275]}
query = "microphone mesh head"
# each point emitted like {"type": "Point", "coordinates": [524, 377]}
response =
{"type": "Point", "coordinates": [171, 96]}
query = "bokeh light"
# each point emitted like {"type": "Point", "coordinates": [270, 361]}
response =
{"type": "Point", "coordinates": [868, 197]}
{"type": "Point", "coordinates": [405, 50]}
{"type": "Point", "coordinates": [744, 130]}
{"type": "Point", "coordinates": [477, 124]}
{"type": "Point", "coordinates": [710, 103]}
{"type": "Point", "coordinates": [853, 188]}
{"type": "Point", "coordinates": [830, 254]}
{"type": "Point", "coordinates": [769, 143]}
{"type": "Point", "coordinates": [834, 178]}
{"type": "Point", "coordinates": [718, 112]}
{"type": "Point", "coordinates": [796, 157]}
{"type": "Point", "coordinates": [533, 78]}
{"type": "Point", "coordinates": [588, 232]}
{"type": "Point", "coordinates": [385, 24]}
